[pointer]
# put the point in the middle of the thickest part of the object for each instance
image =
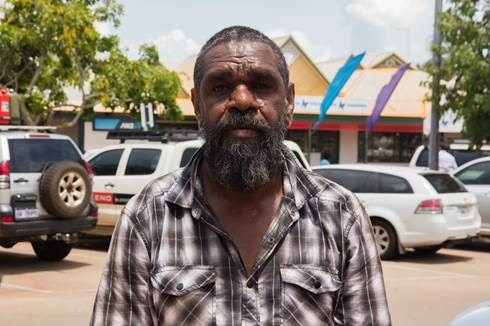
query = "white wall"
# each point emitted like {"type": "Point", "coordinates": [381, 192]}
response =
{"type": "Point", "coordinates": [348, 146]}
{"type": "Point", "coordinates": [96, 139]}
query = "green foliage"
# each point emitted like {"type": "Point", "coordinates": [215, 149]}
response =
{"type": "Point", "coordinates": [48, 45]}
{"type": "Point", "coordinates": [465, 51]}
{"type": "Point", "coordinates": [128, 83]}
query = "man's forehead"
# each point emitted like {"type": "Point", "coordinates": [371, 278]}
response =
{"type": "Point", "coordinates": [241, 53]}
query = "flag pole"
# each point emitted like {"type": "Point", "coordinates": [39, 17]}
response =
{"type": "Point", "coordinates": [309, 144]}
{"type": "Point", "coordinates": [366, 136]}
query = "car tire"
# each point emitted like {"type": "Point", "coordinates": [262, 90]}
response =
{"type": "Point", "coordinates": [386, 240]}
{"type": "Point", "coordinates": [428, 249]}
{"type": "Point", "coordinates": [51, 250]}
{"type": "Point", "coordinates": [65, 189]}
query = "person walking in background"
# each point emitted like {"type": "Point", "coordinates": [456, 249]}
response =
{"type": "Point", "coordinates": [325, 157]}
{"type": "Point", "coordinates": [447, 162]}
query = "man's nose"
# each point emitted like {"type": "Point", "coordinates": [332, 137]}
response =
{"type": "Point", "coordinates": [242, 98]}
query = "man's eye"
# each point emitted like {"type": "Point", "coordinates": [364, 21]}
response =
{"type": "Point", "coordinates": [218, 88]}
{"type": "Point", "coordinates": [261, 86]}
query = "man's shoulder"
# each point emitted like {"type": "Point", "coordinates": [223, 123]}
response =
{"type": "Point", "coordinates": [328, 190]}
{"type": "Point", "coordinates": [157, 188]}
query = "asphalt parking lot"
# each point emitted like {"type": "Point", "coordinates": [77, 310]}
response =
{"type": "Point", "coordinates": [422, 289]}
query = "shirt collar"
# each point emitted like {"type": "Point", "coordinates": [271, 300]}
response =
{"type": "Point", "coordinates": [299, 186]}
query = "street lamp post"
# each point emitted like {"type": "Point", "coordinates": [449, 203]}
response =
{"type": "Point", "coordinates": [436, 94]}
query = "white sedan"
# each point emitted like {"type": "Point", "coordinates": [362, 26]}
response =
{"type": "Point", "coordinates": [476, 177]}
{"type": "Point", "coordinates": [409, 208]}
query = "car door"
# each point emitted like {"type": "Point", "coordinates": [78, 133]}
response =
{"type": "Point", "coordinates": [476, 179]}
{"type": "Point", "coordinates": [140, 167]}
{"type": "Point", "coordinates": [105, 185]}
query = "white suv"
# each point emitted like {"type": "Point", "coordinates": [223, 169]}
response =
{"type": "Point", "coordinates": [409, 208]}
{"type": "Point", "coordinates": [45, 192]}
{"type": "Point", "coordinates": [121, 171]}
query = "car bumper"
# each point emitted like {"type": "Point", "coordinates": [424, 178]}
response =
{"type": "Point", "coordinates": [436, 229]}
{"type": "Point", "coordinates": [46, 227]}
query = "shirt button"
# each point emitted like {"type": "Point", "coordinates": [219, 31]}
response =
{"type": "Point", "coordinates": [196, 212]}
{"type": "Point", "coordinates": [317, 284]}
{"type": "Point", "coordinates": [179, 286]}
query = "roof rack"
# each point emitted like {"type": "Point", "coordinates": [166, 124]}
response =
{"type": "Point", "coordinates": [154, 135]}
{"type": "Point", "coordinates": [26, 128]}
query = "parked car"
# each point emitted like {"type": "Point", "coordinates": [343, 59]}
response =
{"type": "Point", "coordinates": [121, 171]}
{"type": "Point", "coordinates": [476, 177]}
{"type": "Point", "coordinates": [45, 192]}
{"type": "Point", "coordinates": [461, 152]}
{"type": "Point", "coordinates": [409, 208]}
{"type": "Point", "coordinates": [478, 315]}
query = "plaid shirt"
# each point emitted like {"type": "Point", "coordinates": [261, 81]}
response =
{"type": "Point", "coordinates": [170, 262]}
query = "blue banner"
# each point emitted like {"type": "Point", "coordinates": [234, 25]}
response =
{"type": "Point", "coordinates": [338, 82]}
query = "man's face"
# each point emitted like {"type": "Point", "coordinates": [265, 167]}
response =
{"type": "Point", "coordinates": [244, 109]}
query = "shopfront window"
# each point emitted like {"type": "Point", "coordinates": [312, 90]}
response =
{"type": "Point", "coordinates": [389, 146]}
{"type": "Point", "coordinates": [320, 141]}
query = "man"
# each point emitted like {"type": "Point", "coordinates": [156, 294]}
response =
{"type": "Point", "coordinates": [242, 235]}
{"type": "Point", "coordinates": [447, 162]}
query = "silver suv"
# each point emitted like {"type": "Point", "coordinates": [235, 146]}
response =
{"type": "Point", "coordinates": [45, 192]}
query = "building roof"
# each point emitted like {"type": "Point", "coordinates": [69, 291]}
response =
{"type": "Point", "coordinates": [375, 71]}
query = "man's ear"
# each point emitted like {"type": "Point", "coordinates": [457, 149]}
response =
{"type": "Point", "coordinates": [290, 104]}
{"type": "Point", "coordinates": [195, 103]}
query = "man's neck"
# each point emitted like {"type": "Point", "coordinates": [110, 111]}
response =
{"type": "Point", "coordinates": [244, 215]}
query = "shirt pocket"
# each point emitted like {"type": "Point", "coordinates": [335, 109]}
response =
{"type": "Point", "coordinates": [309, 294]}
{"type": "Point", "coordinates": [184, 295]}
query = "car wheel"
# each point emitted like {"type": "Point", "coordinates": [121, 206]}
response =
{"type": "Point", "coordinates": [51, 250]}
{"type": "Point", "coordinates": [428, 249]}
{"type": "Point", "coordinates": [65, 190]}
{"type": "Point", "coordinates": [385, 237]}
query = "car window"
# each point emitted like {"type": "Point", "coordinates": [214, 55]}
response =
{"type": "Point", "coordinates": [444, 183]}
{"type": "Point", "coordinates": [460, 156]}
{"type": "Point", "coordinates": [477, 174]}
{"type": "Point", "coordinates": [33, 155]}
{"type": "Point", "coordinates": [355, 181]}
{"type": "Point", "coordinates": [106, 163]}
{"type": "Point", "coordinates": [187, 155]}
{"type": "Point", "coordinates": [394, 184]}
{"type": "Point", "coordinates": [142, 161]}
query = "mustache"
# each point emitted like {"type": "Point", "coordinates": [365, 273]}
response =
{"type": "Point", "coordinates": [242, 120]}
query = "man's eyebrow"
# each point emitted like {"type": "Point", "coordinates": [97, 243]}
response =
{"type": "Point", "coordinates": [263, 74]}
{"type": "Point", "coordinates": [216, 75]}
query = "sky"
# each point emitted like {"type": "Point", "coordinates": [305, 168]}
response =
{"type": "Point", "coordinates": [328, 29]}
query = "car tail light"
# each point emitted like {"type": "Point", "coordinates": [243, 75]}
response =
{"type": "Point", "coordinates": [88, 167]}
{"type": "Point", "coordinates": [94, 211]}
{"type": "Point", "coordinates": [4, 175]}
{"type": "Point", "coordinates": [6, 219]}
{"type": "Point", "coordinates": [429, 206]}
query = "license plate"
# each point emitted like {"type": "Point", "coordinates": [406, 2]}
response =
{"type": "Point", "coordinates": [23, 213]}
{"type": "Point", "coordinates": [103, 197]}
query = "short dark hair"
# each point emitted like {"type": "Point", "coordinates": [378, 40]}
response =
{"type": "Point", "coordinates": [240, 33]}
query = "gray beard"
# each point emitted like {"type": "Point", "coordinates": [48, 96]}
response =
{"type": "Point", "coordinates": [245, 164]}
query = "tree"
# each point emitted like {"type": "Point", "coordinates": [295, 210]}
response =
{"type": "Point", "coordinates": [49, 45]}
{"type": "Point", "coordinates": [465, 50]}
{"type": "Point", "coordinates": [128, 83]}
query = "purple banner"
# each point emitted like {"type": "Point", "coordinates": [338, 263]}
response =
{"type": "Point", "coordinates": [384, 96]}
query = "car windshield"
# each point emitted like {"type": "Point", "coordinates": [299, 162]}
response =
{"type": "Point", "coordinates": [33, 155]}
{"type": "Point", "coordinates": [444, 183]}
{"type": "Point", "coordinates": [461, 156]}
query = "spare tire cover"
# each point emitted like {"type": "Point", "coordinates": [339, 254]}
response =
{"type": "Point", "coordinates": [65, 189]}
